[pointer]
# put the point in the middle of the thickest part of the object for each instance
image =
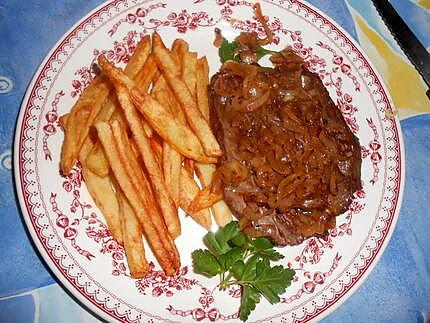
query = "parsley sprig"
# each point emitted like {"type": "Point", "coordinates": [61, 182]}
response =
{"type": "Point", "coordinates": [227, 51]}
{"type": "Point", "coordinates": [244, 261]}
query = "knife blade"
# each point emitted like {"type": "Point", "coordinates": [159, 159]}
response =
{"type": "Point", "coordinates": [406, 39]}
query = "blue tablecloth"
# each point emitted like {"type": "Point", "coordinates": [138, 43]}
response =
{"type": "Point", "coordinates": [398, 289]}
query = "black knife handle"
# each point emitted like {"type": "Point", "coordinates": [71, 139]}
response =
{"type": "Point", "coordinates": [406, 39]}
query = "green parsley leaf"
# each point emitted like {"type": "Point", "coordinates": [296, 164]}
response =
{"type": "Point", "coordinates": [264, 249]}
{"type": "Point", "coordinates": [262, 243]}
{"type": "Point", "coordinates": [240, 240]}
{"type": "Point", "coordinates": [218, 243]}
{"type": "Point", "coordinates": [227, 51]}
{"type": "Point", "coordinates": [249, 270]}
{"type": "Point", "coordinates": [269, 254]}
{"type": "Point", "coordinates": [228, 232]}
{"type": "Point", "coordinates": [250, 297]}
{"type": "Point", "coordinates": [205, 263]}
{"type": "Point", "coordinates": [237, 269]}
{"type": "Point", "coordinates": [213, 245]}
{"type": "Point", "coordinates": [272, 281]}
{"type": "Point", "coordinates": [261, 266]}
{"type": "Point", "coordinates": [228, 259]}
{"type": "Point", "coordinates": [244, 261]}
{"type": "Point", "coordinates": [263, 52]}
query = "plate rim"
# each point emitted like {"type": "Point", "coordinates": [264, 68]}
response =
{"type": "Point", "coordinates": [93, 306]}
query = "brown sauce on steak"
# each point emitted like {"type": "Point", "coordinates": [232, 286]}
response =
{"type": "Point", "coordinates": [300, 162]}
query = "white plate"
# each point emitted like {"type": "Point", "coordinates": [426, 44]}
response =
{"type": "Point", "coordinates": [69, 230]}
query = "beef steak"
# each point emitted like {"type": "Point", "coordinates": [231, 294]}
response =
{"type": "Point", "coordinates": [302, 161]}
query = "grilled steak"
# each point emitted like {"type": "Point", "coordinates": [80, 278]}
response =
{"type": "Point", "coordinates": [299, 162]}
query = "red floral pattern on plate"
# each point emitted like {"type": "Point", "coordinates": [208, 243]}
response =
{"type": "Point", "coordinates": [69, 225]}
{"type": "Point", "coordinates": [50, 128]}
{"type": "Point", "coordinates": [373, 151]}
{"type": "Point", "coordinates": [160, 284]}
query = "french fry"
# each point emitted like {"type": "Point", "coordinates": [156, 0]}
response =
{"type": "Point", "coordinates": [172, 160]}
{"type": "Point", "coordinates": [141, 68]}
{"type": "Point", "coordinates": [134, 149]}
{"type": "Point", "coordinates": [157, 148]}
{"type": "Point", "coordinates": [179, 45]}
{"type": "Point", "coordinates": [80, 119]}
{"type": "Point", "coordinates": [223, 214]}
{"type": "Point", "coordinates": [133, 244]}
{"type": "Point", "coordinates": [139, 166]}
{"type": "Point", "coordinates": [143, 80]}
{"type": "Point", "coordinates": [172, 164]}
{"type": "Point", "coordinates": [140, 182]}
{"type": "Point", "coordinates": [90, 104]}
{"type": "Point", "coordinates": [119, 116]}
{"type": "Point", "coordinates": [170, 61]}
{"type": "Point", "coordinates": [177, 135]}
{"type": "Point", "coordinates": [63, 120]}
{"type": "Point", "coordinates": [189, 166]}
{"type": "Point", "coordinates": [220, 211]}
{"type": "Point", "coordinates": [149, 74]}
{"type": "Point", "coordinates": [165, 97]}
{"type": "Point", "coordinates": [162, 93]}
{"type": "Point", "coordinates": [135, 66]}
{"type": "Point", "coordinates": [120, 76]}
{"type": "Point", "coordinates": [207, 197]}
{"type": "Point", "coordinates": [167, 206]}
{"type": "Point", "coordinates": [159, 117]}
{"type": "Point", "coordinates": [205, 172]}
{"type": "Point", "coordinates": [138, 59]}
{"type": "Point", "coordinates": [194, 117]}
{"type": "Point", "coordinates": [138, 196]}
{"type": "Point", "coordinates": [97, 162]}
{"type": "Point", "coordinates": [179, 48]}
{"type": "Point", "coordinates": [108, 108]}
{"type": "Point", "coordinates": [101, 191]}
{"type": "Point", "coordinates": [93, 146]}
{"type": "Point", "coordinates": [159, 87]}
{"type": "Point", "coordinates": [85, 150]}
{"type": "Point", "coordinates": [202, 82]}
{"type": "Point", "coordinates": [148, 130]}
{"type": "Point", "coordinates": [189, 71]}
{"type": "Point", "coordinates": [188, 191]}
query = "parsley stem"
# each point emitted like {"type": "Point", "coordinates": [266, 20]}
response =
{"type": "Point", "coordinates": [230, 283]}
{"type": "Point", "coordinates": [223, 281]}
{"type": "Point", "coordinates": [228, 276]}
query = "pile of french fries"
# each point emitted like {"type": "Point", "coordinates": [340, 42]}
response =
{"type": "Point", "coordinates": [140, 135]}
